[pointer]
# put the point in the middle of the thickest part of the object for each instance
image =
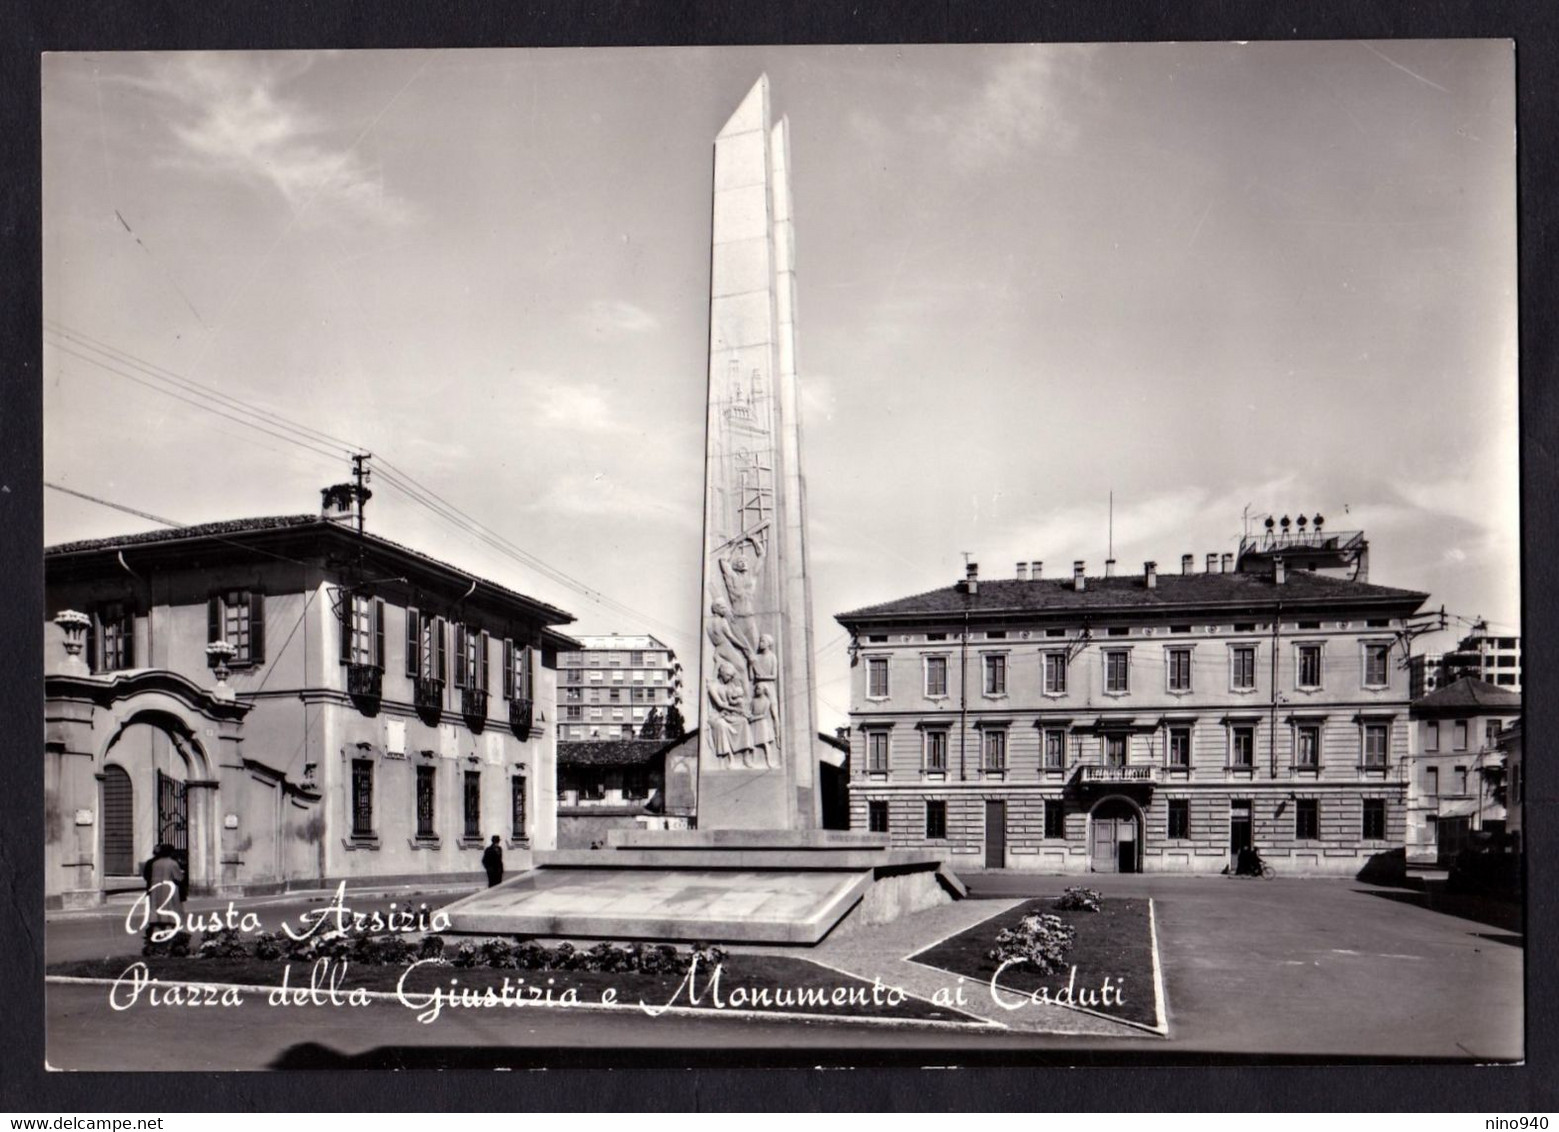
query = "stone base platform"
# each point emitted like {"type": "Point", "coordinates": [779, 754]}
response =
{"type": "Point", "coordinates": [716, 886]}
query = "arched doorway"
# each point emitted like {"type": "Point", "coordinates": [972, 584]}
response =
{"type": "Point", "coordinates": [145, 796]}
{"type": "Point", "coordinates": [1115, 837]}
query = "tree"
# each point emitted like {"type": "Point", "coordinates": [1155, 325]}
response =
{"type": "Point", "coordinates": [653, 725]}
{"type": "Point", "coordinates": [675, 728]}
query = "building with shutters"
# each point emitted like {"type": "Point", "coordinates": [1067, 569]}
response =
{"type": "Point", "coordinates": [290, 702]}
{"type": "Point", "coordinates": [1460, 779]}
{"type": "Point", "coordinates": [1155, 722]}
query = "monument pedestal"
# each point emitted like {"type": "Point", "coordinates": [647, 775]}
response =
{"type": "Point", "coordinates": [713, 886]}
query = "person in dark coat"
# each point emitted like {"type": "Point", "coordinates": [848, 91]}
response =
{"type": "Point", "coordinates": [166, 886]}
{"type": "Point", "coordinates": [492, 861]}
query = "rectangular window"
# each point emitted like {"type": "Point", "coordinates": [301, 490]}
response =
{"type": "Point", "coordinates": [1307, 752]}
{"type": "Point", "coordinates": [1055, 819]}
{"type": "Point", "coordinates": [1309, 675]}
{"type": "Point", "coordinates": [1491, 733]}
{"type": "Point", "coordinates": [935, 740]}
{"type": "Point", "coordinates": [1461, 779]}
{"type": "Point", "coordinates": [362, 798]}
{"type": "Point", "coordinates": [996, 675]}
{"type": "Point", "coordinates": [1055, 750]}
{"type": "Point", "coordinates": [115, 631]}
{"type": "Point", "coordinates": [238, 617]}
{"type": "Point", "coordinates": [877, 677]}
{"type": "Point", "coordinates": [1179, 818]}
{"type": "Point", "coordinates": [473, 804]}
{"type": "Point", "coordinates": [877, 752]}
{"type": "Point", "coordinates": [425, 802]}
{"type": "Point", "coordinates": [1307, 819]}
{"type": "Point", "coordinates": [1117, 670]}
{"type": "Point", "coordinates": [936, 675]}
{"type": "Point", "coordinates": [877, 817]}
{"type": "Point", "coordinates": [1115, 750]}
{"type": "Point", "coordinates": [1179, 661]}
{"type": "Point", "coordinates": [1376, 672]}
{"type": "Point", "coordinates": [1242, 668]}
{"type": "Point", "coordinates": [517, 807]}
{"type": "Point", "coordinates": [1459, 735]}
{"type": "Point", "coordinates": [1375, 738]}
{"type": "Point", "coordinates": [994, 749]}
{"type": "Point", "coordinates": [1055, 673]}
{"type": "Point", "coordinates": [936, 821]}
{"type": "Point", "coordinates": [1374, 819]}
{"type": "Point", "coordinates": [1431, 737]}
{"type": "Point", "coordinates": [615, 695]}
{"type": "Point", "coordinates": [573, 712]}
{"type": "Point", "coordinates": [362, 630]}
{"type": "Point", "coordinates": [1243, 749]}
{"type": "Point", "coordinates": [1432, 781]}
{"type": "Point", "coordinates": [1180, 747]}
{"type": "Point", "coordinates": [636, 784]}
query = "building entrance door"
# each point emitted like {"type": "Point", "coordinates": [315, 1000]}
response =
{"type": "Point", "coordinates": [1115, 844]}
{"type": "Point", "coordinates": [995, 835]}
{"type": "Point", "coordinates": [118, 823]}
{"type": "Point", "coordinates": [1239, 830]}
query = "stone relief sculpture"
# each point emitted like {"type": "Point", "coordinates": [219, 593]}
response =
{"type": "Point", "coordinates": [729, 728]}
{"type": "Point", "coordinates": [746, 665]}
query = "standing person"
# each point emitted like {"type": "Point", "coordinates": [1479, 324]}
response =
{"type": "Point", "coordinates": [492, 861]}
{"type": "Point", "coordinates": [165, 888]}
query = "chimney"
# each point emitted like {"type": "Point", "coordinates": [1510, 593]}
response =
{"type": "Point", "coordinates": [1150, 574]}
{"type": "Point", "coordinates": [1023, 571]}
{"type": "Point", "coordinates": [1038, 568]}
{"type": "Point", "coordinates": [1187, 563]}
{"type": "Point", "coordinates": [1212, 563]}
{"type": "Point", "coordinates": [1278, 573]}
{"type": "Point", "coordinates": [971, 578]}
{"type": "Point", "coordinates": [1109, 567]}
{"type": "Point", "coordinates": [1077, 576]}
{"type": "Point", "coordinates": [1228, 562]}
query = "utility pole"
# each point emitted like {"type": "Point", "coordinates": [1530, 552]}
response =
{"type": "Point", "coordinates": [360, 476]}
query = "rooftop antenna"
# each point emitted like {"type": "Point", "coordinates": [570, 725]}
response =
{"type": "Point", "coordinates": [361, 475]}
{"type": "Point", "coordinates": [1111, 553]}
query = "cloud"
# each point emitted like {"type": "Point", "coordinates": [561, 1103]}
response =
{"type": "Point", "coordinates": [613, 316]}
{"type": "Point", "coordinates": [581, 408]}
{"type": "Point", "coordinates": [238, 122]}
{"type": "Point", "coordinates": [1016, 108]}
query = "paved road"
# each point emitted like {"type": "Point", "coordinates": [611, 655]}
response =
{"type": "Point", "coordinates": [1301, 968]}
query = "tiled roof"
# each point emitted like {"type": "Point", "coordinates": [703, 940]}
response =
{"type": "Point", "coordinates": [231, 530]}
{"type": "Point", "coordinates": [1130, 593]}
{"type": "Point", "coordinates": [612, 752]}
{"type": "Point", "coordinates": [1470, 692]}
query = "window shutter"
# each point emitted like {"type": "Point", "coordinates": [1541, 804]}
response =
{"type": "Point", "coordinates": [257, 627]}
{"type": "Point", "coordinates": [94, 662]}
{"type": "Point", "coordinates": [345, 620]}
{"type": "Point", "coordinates": [413, 641]}
{"type": "Point", "coordinates": [213, 626]}
{"type": "Point", "coordinates": [439, 666]}
{"type": "Point", "coordinates": [129, 636]}
{"type": "Point", "coordinates": [508, 669]}
{"type": "Point", "coordinates": [460, 656]}
{"type": "Point", "coordinates": [530, 675]}
{"type": "Point", "coordinates": [379, 633]}
{"type": "Point", "coordinates": [483, 679]}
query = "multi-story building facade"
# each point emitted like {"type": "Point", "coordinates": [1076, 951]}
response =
{"type": "Point", "coordinates": [1496, 660]}
{"type": "Point", "coordinates": [1423, 674]}
{"type": "Point", "coordinates": [1458, 760]}
{"type": "Point", "coordinates": [1158, 722]}
{"type": "Point", "coordinates": [609, 685]}
{"type": "Point", "coordinates": [289, 701]}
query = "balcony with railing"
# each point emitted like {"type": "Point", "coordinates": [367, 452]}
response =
{"type": "Point", "coordinates": [473, 707]}
{"type": "Point", "coordinates": [364, 682]}
{"type": "Point", "coordinates": [520, 715]}
{"type": "Point", "coordinates": [427, 695]}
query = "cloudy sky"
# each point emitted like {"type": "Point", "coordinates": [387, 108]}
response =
{"type": "Point", "coordinates": [1202, 277]}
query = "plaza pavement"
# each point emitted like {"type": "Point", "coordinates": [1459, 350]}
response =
{"type": "Point", "coordinates": [1283, 969]}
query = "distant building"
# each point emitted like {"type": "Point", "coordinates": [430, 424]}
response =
{"type": "Point", "coordinates": [1156, 722]}
{"type": "Point", "coordinates": [1459, 767]}
{"type": "Point", "coordinates": [1423, 674]}
{"type": "Point", "coordinates": [1510, 746]}
{"type": "Point", "coordinates": [608, 784]}
{"type": "Point", "coordinates": [608, 687]}
{"type": "Point", "coordinates": [288, 702]}
{"type": "Point", "coordinates": [1485, 657]}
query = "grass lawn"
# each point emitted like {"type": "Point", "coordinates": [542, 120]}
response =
{"type": "Point", "coordinates": [1115, 943]}
{"type": "Point", "coordinates": [769, 983]}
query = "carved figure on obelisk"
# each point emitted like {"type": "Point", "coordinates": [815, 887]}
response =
{"type": "Point", "coordinates": [765, 709]}
{"type": "Point", "coordinates": [728, 643]}
{"type": "Point", "coordinates": [741, 584]}
{"type": "Point", "coordinates": [729, 731]}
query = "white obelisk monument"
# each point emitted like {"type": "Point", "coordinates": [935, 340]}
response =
{"type": "Point", "coordinates": [757, 758]}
